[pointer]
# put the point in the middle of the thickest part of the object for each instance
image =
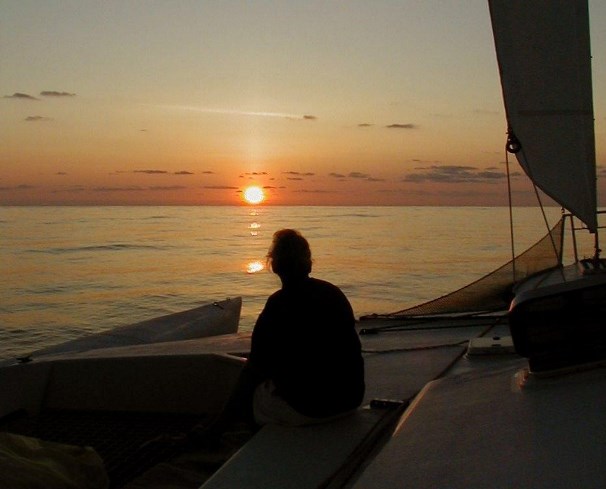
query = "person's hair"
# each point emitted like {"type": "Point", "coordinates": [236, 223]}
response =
{"type": "Point", "coordinates": [289, 254]}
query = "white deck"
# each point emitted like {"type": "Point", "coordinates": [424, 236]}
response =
{"type": "Point", "coordinates": [299, 458]}
{"type": "Point", "coordinates": [485, 431]}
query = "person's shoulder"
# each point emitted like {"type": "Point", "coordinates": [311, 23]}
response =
{"type": "Point", "coordinates": [324, 285]}
{"type": "Point", "coordinates": [275, 296]}
{"type": "Point", "coordinates": [321, 283]}
{"type": "Point", "coordinates": [332, 298]}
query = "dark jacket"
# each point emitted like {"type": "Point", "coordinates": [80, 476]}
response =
{"type": "Point", "coordinates": [305, 341]}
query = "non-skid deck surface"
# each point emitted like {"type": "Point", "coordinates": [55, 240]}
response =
{"type": "Point", "coordinates": [399, 362]}
{"type": "Point", "coordinates": [128, 443]}
{"type": "Point", "coordinates": [494, 430]}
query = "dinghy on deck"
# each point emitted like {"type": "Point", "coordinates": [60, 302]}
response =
{"type": "Point", "coordinates": [216, 318]}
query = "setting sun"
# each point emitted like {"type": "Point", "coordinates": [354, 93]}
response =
{"type": "Point", "coordinates": [254, 195]}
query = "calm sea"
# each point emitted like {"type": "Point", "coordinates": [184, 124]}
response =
{"type": "Point", "coordinates": [68, 271]}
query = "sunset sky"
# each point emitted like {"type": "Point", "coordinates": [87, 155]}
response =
{"type": "Point", "coordinates": [319, 102]}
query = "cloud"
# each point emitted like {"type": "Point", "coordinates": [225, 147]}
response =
{"type": "Point", "coordinates": [364, 176]}
{"type": "Point", "coordinates": [357, 174]}
{"type": "Point", "coordinates": [73, 189]}
{"type": "Point", "coordinates": [183, 172]}
{"type": "Point", "coordinates": [117, 189]}
{"type": "Point", "coordinates": [401, 126]}
{"type": "Point", "coordinates": [294, 178]}
{"type": "Point", "coordinates": [222, 111]}
{"type": "Point", "coordinates": [37, 118]}
{"type": "Point", "coordinates": [21, 96]}
{"type": "Point", "coordinates": [426, 162]}
{"type": "Point", "coordinates": [240, 112]}
{"type": "Point", "coordinates": [219, 187]}
{"type": "Point", "coordinates": [208, 172]}
{"type": "Point", "coordinates": [365, 124]}
{"type": "Point", "coordinates": [491, 175]}
{"type": "Point", "coordinates": [315, 191]}
{"type": "Point", "coordinates": [296, 173]}
{"type": "Point", "coordinates": [52, 93]}
{"type": "Point", "coordinates": [132, 188]}
{"type": "Point", "coordinates": [252, 175]}
{"type": "Point", "coordinates": [454, 174]}
{"type": "Point", "coordinates": [23, 186]}
{"type": "Point", "coordinates": [167, 187]}
{"type": "Point", "coordinates": [151, 172]}
{"type": "Point", "coordinates": [61, 173]}
{"type": "Point", "coordinates": [400, 191]}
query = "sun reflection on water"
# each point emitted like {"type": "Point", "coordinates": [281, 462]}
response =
{"type": "Point", "coordinates": [254, 228]}
{"type": "Point", "coordinates": [254, 266]}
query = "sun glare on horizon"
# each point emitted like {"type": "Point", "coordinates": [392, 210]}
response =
{"type": "Point", "coordinates": [254, 194]}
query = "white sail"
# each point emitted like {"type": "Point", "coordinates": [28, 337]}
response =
{"type": "Point", "coordinates": [544, 58]}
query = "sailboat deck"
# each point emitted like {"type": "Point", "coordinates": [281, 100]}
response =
{"type": "Point", "coordinates": [400, 358]}
{"type": "Point", "coordinates": [428, 398]}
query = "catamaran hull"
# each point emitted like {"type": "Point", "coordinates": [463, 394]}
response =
{"type": "Point", "coordinates": [560, 324]}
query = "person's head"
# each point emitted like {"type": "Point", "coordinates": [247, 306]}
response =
{"type": "Point", "coordinates": [289, 255]}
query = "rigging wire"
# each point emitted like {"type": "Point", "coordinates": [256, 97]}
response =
{"type": "Point", "coordinates": [415, 348]}
{"type": "Point", "coordinates": [545, 220]}
{"type": "Point", "coordinates": [431, 322]}
{"type": "Point", "coordinates": [514, 146]}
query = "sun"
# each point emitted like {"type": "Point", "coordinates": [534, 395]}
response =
{"type": "Point", "coordinates": [254, 194]}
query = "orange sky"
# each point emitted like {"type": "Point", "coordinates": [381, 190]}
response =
{"type": "Point", "coordinates": [344, 103]}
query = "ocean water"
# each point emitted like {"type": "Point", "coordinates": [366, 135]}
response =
{"type": "Point", "coordinates": [69, 271]}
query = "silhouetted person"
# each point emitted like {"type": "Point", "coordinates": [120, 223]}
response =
{"type": "Point", "coordinates": [304, 344]}
{"type": "Point", "coordinates": [305, 364]}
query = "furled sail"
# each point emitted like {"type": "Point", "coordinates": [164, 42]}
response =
{"type": "Point", "coordinates": [543, 51]}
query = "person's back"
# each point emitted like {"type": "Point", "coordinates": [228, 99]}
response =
{"type": "Point", "coordinates": [305, 341]}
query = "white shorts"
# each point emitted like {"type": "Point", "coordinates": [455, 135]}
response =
{"type": "Point", "coordinates": [270, 408]}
